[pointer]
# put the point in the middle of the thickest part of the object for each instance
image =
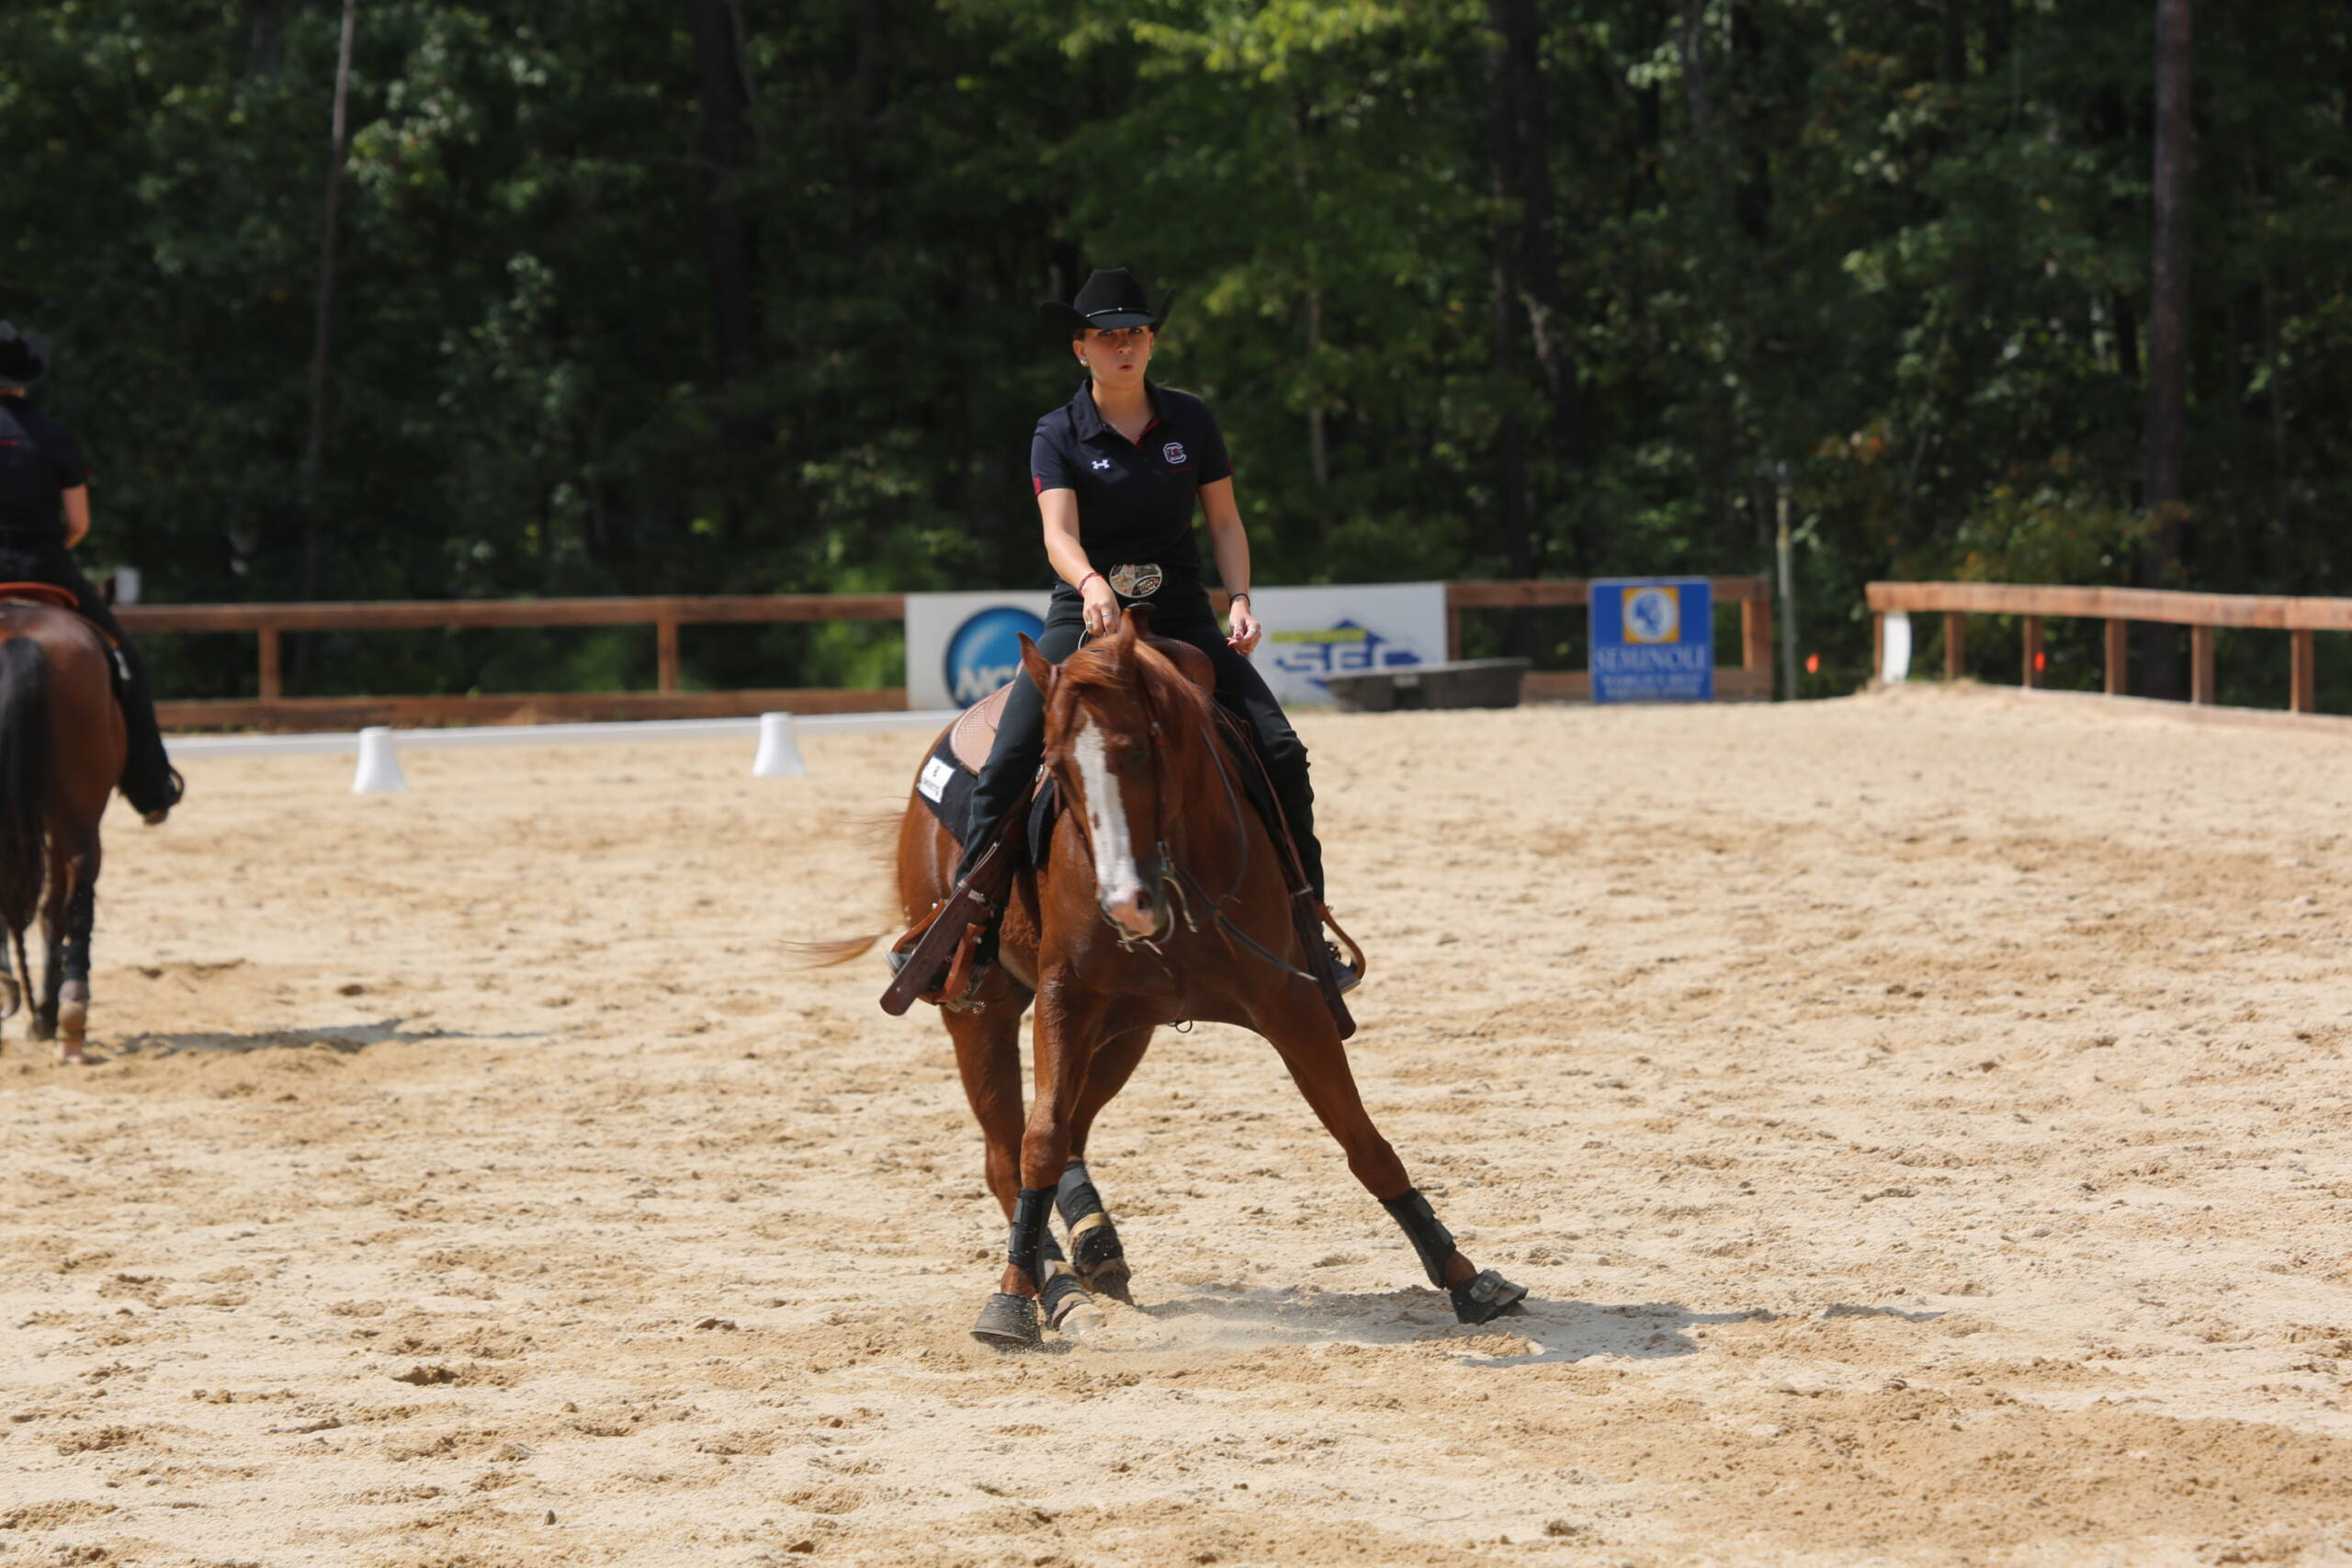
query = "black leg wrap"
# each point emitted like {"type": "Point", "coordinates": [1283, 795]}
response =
{"type": "Point", "coordinates": [81, 915]}
{"type": "Point", "coordinates": [1076, 1197]}
{"type": "Point", "coordinates": [1093, 1241]}
{"type": "Point", "coordinates": [1029, 1232]}
{"type": "Point", "coordinates": [1430, 1239]}
{"type": "Point", "coordinates": [1061, 1292]}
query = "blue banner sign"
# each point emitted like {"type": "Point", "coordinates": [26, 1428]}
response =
{"type": "Point", "coordinates": [1653, 639]}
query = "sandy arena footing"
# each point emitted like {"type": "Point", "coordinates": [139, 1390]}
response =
{"type": "Point", "coordinates": [1922, 1121]}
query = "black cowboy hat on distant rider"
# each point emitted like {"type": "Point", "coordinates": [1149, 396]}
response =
{"type": "Point", "coordinates": [1113, 298]}
{"type": "Point", "coordinates": [24, 358]}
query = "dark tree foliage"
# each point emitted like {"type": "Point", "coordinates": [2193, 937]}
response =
{"type": "Point", "coordinates": [712, 296]}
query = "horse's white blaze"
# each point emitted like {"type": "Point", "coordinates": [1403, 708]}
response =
{"type": "Point", "coordinates": [1116, 876]}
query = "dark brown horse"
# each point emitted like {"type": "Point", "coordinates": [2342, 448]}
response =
{"type": "Point", "coordinates": [1163, 897]}
{"type": "Point", "coordinates": [61, 752]}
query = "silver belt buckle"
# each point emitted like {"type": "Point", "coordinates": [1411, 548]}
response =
{"type": "Point", "coordinates": [1138, 581]}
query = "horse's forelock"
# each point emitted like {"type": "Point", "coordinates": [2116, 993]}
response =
{"type": "Point", "coordinates": [1128, 666]}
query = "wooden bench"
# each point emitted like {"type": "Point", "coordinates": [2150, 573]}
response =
{"type": "Point", "coordinates": [1457, 684]}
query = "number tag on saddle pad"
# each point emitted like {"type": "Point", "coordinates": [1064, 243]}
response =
{"type": "Point", "coordinates": [937, 774]}
{"type": "Point", "coordinates": [1137, 582]}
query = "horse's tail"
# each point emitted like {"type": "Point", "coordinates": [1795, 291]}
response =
{"type": "Point", "coordinates": [825, 954]}
{"type": "Point", "coordinates": [25, 768]}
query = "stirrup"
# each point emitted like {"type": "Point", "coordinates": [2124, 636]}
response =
{"type": "Point", "coordinates": [935, 990]}
{"type": "Point", "coordinates": [1343, 974]}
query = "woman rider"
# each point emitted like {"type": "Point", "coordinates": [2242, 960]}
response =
{"type": "Point", "coordinates": [44, 512]}
{"type": "Point", "coordinates": [1118, 471]}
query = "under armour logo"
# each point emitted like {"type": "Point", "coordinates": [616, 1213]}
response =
{"type": "Point", "coordinates": [1100, 464]}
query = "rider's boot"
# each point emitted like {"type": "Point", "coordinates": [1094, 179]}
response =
{"type": "Point", "coordinates": [149, 781]}
{"type": "Point", "coordinates": [983, 954]}
{"type": "Point", "coordinates": [947, 954]}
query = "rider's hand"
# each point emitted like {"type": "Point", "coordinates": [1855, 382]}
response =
{"type": "Point", "coordinates": [1101, 607]}
{"type": "Point", "coordinates": [1242, 629]}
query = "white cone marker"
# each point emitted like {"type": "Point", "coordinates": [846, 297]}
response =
{"type": "Point", "coordinates": [779, 753]}
{"type": "Point", "coordinates": [379, 765]}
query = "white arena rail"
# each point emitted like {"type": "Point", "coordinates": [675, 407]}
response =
{"type": "Point", "coordinates": [378, 748]}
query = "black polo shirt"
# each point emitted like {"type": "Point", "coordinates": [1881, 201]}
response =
{"type": "Point", "coordinates": [1136, 499]}
{"type": "Point", "coordinates": [39, 460]}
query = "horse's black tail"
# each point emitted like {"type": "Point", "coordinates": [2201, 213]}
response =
{"type": "Point", "coordinates": [25, 766]}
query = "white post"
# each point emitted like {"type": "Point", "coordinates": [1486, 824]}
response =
{"type": "Point", "coordinates": [379, 765]}
{"type": "Point", "coordinates": [779, 753]}
{"type": "Point", "coordinates": [1895, 664]}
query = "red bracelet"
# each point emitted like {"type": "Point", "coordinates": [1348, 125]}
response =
{"type": "Point", "coordinates": [1087, 579]}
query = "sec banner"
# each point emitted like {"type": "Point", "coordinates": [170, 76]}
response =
{"type": "Point", "coordinates": [1315, 633]}
{"type": "Point", "coordinates": [1653, 639]}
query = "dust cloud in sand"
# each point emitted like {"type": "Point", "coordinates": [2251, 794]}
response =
{"type": "Point", "coordinates": [1921, 1121]}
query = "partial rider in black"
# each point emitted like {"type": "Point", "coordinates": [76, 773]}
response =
{"type": "Point", "coordinates": [1119, 471]}
{"type": "Point", "coordinates": [44, 512]}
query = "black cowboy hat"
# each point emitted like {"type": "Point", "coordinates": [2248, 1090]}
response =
{"type": "Point", "coordinates": [24, 358]}
{"type": "Point", "coordinates": [1111, 300]}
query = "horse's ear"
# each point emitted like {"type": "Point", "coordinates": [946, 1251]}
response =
{"type": "Point", "coordinates": [1041, 671]}
{"type": "Point", "coordinates": [1138, 624]}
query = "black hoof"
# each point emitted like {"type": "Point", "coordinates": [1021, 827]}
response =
{"type": "Point", "coordinates": [1485, 1298]}
{"type": "Point", "coordinates": [1009, 1322]}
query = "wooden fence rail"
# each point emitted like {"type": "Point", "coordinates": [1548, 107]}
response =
{"type": "Point", "coordinates": [2201, 612]}
{"type": "Point", "coordinates": [272, 709]}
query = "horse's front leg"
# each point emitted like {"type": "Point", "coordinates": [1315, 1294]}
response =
{"type": "Point", "coordinates": [1068, 1027]}
{"type": "Point", "coordinates": [1094, 1250]}
{"type": "Point", "coordinates": [1309, 1043]}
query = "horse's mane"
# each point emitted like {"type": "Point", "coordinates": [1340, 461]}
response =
{"type": "Point", "coordinates": [1128, 659]}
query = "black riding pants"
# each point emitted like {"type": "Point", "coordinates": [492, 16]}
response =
{"type": "Point", "coordinates": [146, 771]}
{"type": "Point", "coordinates": [1182, 615]}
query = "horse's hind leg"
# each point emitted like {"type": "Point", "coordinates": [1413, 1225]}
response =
{"type": "Point", "coordinates": [80, 917]}
{"type": "Point", "coordinates": [1309, 1043]}
{"type": "Point", "coordinates": [1094, 1246]}
{"type": "Point", "coordinates": [52, 969]}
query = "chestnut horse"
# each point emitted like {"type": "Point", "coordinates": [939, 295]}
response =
{"type": "Point", "coordinates": [61, 752]}
{"type": "Point", "coordinates": [1162, 899]}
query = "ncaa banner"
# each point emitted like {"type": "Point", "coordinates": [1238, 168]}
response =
{"type": "Point", "coordinates": [961, 647]}
{"type": "Point", "coordinates": [1653, 639]}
